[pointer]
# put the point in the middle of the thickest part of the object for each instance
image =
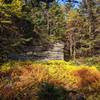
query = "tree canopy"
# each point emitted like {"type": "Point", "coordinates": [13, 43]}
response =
{"type": "Point", "coordinates": [27, 22]}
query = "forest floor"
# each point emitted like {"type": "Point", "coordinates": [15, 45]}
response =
{"type": "Point", "coordinates": [48, 80]}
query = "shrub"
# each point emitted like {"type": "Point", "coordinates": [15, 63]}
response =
{"type": "Point", "coordinates": [94, 96]}
{"type": "Point", "coordinates": [89, 78]}
{"type": "Point", "coordinates": [51, 92]}
{"type": "Point", "coordinates": [41, 79]}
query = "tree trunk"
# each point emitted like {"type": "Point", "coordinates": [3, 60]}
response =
{"type": "Point", "coordinates": [71, 45]}
{"type": "Point", "coordinates": [74, 49]}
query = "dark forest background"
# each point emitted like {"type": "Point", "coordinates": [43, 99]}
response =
{"type": "Point", "coordinates": [24, 23]}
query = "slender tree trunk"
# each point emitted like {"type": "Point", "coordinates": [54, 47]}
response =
{"type": "Point", "coordinates": [71, 45]}
{"type": "Point", "coordinates": [74, 49]}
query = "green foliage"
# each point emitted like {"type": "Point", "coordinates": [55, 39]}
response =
{"type": "Point", "coordinates": [82, 30]}
{"type": "Point", "coordinates": [49, 23]}
{"type": "Point", "coordinates": [23, 25]}
{"type": "Point", "coordinates": [9, 31]}
{"type": "Point", "coordinates": [90, 11]}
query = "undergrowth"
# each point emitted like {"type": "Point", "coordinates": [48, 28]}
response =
{"type": "Point", "coordinates": [34, 80]}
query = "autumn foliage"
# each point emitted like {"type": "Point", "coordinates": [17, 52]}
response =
{"type": "Point", "coordinates": [26, 79]}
